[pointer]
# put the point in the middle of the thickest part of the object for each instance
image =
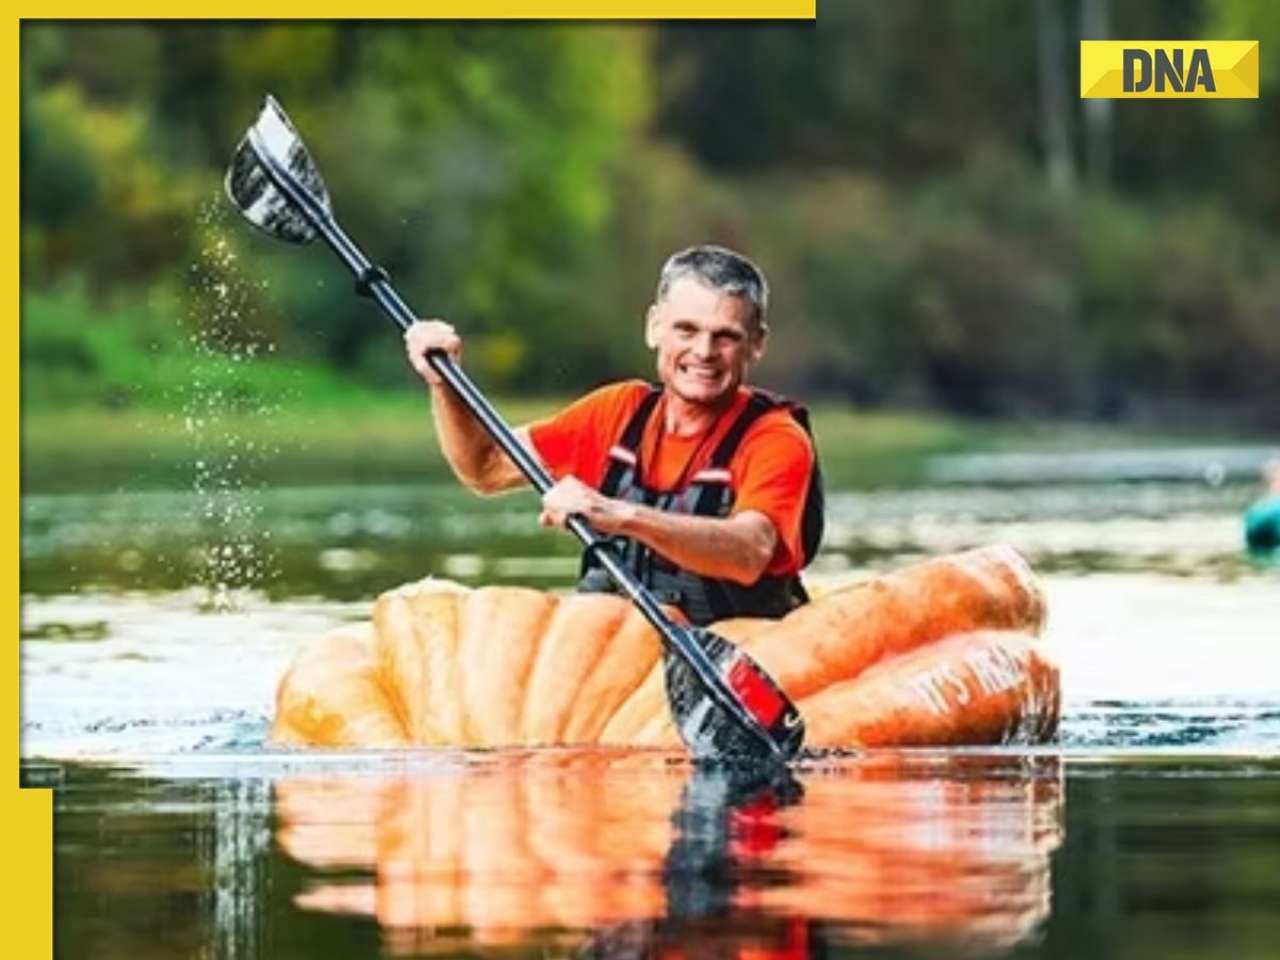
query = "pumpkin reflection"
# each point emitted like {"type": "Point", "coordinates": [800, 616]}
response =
{"type": "Point", "coordinates": [603, 854]}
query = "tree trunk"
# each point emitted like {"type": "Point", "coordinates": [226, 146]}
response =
{"type": "Point", "coordinates": [1055, 108]}
{"type": "Point", "coordinates": [1095, 24]}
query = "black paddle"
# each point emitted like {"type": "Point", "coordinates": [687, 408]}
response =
{"type": "Point", "coordinates": [725, 705]}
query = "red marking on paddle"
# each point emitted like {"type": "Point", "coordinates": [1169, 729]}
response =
{"type": "Point", "coordinates": [760, 699]}
{"type": "Point", "coordinates": [754, 825]}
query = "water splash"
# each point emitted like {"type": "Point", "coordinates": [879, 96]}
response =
{"type": "Point", "coordinates": [217, 403]}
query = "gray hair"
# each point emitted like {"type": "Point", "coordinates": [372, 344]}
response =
{"type": "Point", "coordinates": [722, 270]}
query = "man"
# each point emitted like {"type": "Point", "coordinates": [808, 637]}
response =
{"type": "Point", "coordinates": [710, 490]}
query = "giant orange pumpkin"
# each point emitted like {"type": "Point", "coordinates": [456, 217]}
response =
{"type": "Point", "coordinates": [942, 652]}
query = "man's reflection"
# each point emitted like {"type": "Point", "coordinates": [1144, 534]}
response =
{"type": "Point", "coordinates": [602, 854]}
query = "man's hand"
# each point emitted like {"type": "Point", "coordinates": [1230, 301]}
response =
{"type": "Point", "coordinates": [431, 335]}
{"type": "Point", "coordinates": [736, 548]}
{"type": "Point", "coordinates": [571, 495]}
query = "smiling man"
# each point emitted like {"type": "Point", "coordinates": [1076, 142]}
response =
{"type": "Point", "coordinates": [708, 488]}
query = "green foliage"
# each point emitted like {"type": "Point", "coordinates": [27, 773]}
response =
{"type": "Point", "coordinates": [900, 88]}
{"type": "Point", "coordinates": [475, 163]}
{"type": "Point", "coordinates": [1249, 20]}
{"type": "Point", "coordinates": [146, 353]}
{"type": "Point", "coordinates": [885, 166]}
{"type": "Point", "coordinates": [503, 140]}
{"type": "Point", "coordinates": [58, 177]}
{"type": "Point", "coordinates": [101, 204]}
{"type": "Point", "coordinates": [956, 294]}
{"type": "Point", "coordinates": [987, 294]}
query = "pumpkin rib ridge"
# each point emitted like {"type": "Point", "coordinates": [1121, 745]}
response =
{"type": "Point", "coordinates": [637, 648]}
{"type": "Point", "coordinates": [590, 668]}
{"type": "Point", "coordinates": [391, 693]}
{"type": "Point", "coordinates": [570, 640]}
{"type": "Point", "coordinates": [492, 716]}
{"type": "Point", "coordinates": [637, 709]}
{"type": "Point", "coordinates": [444, 668]}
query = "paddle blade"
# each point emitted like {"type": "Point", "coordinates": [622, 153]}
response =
{"type": "Point", "coordinates": [769, 727]}
{"type": "Point", "coordinates": [273, 140]}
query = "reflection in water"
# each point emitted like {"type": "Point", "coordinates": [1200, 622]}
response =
{"type": "Point", "coordinates": [630, 855]}
{"type": "Point", "coordinates": [617, 855]}
{"type": "Point", "coordinates": [232, 850]}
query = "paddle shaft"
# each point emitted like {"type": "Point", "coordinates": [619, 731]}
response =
{"type": "Point", "coordinates": [374, 281]}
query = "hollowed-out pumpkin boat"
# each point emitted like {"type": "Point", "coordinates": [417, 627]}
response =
{"type": "Point", "coordinates": [944, 652]}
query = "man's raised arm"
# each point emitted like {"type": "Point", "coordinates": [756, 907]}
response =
{"type": "Point", "coordinates": [474, 456]}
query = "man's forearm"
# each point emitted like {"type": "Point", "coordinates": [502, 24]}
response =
{"type": "Point", "coordinates": [474, 456]}
{"type": "Point", "coordinates": [737, 548]}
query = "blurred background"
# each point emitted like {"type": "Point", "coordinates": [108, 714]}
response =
{"type": "Point", "coordinates": [978, 277]}
{"type": "Point", "coordinates": [946, 225]}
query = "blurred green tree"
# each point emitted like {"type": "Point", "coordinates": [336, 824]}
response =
{"type": "Point", "coordinates": [906, 174]}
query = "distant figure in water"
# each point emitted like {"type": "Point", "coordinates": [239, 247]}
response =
{"type": "Point", "coordinates": [1262, 520]}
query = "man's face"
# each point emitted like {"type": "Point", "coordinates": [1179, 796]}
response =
{"type": "Point", "coordinates": [704, 341]}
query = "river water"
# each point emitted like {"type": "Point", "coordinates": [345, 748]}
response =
{"type": "Point", "coordinates": [155, 626]}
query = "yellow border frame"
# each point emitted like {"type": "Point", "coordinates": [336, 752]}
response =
{"type": "Point", "coordinates": [473, 10]}
{"type": "Point", "coordinates": [28, 814]}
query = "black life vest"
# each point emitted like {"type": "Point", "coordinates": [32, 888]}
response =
{"type": "Point", "coordinates": [707, 494]}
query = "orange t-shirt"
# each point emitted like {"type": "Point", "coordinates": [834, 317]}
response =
{"type": "Point", "coordinates": [769, 472]}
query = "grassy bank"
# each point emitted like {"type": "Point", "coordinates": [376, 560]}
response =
{"type": "Point", "coordinates": [388, 438]}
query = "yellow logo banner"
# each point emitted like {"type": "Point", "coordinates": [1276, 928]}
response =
{"type": "Point", "coordinates": [1169, 69]}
